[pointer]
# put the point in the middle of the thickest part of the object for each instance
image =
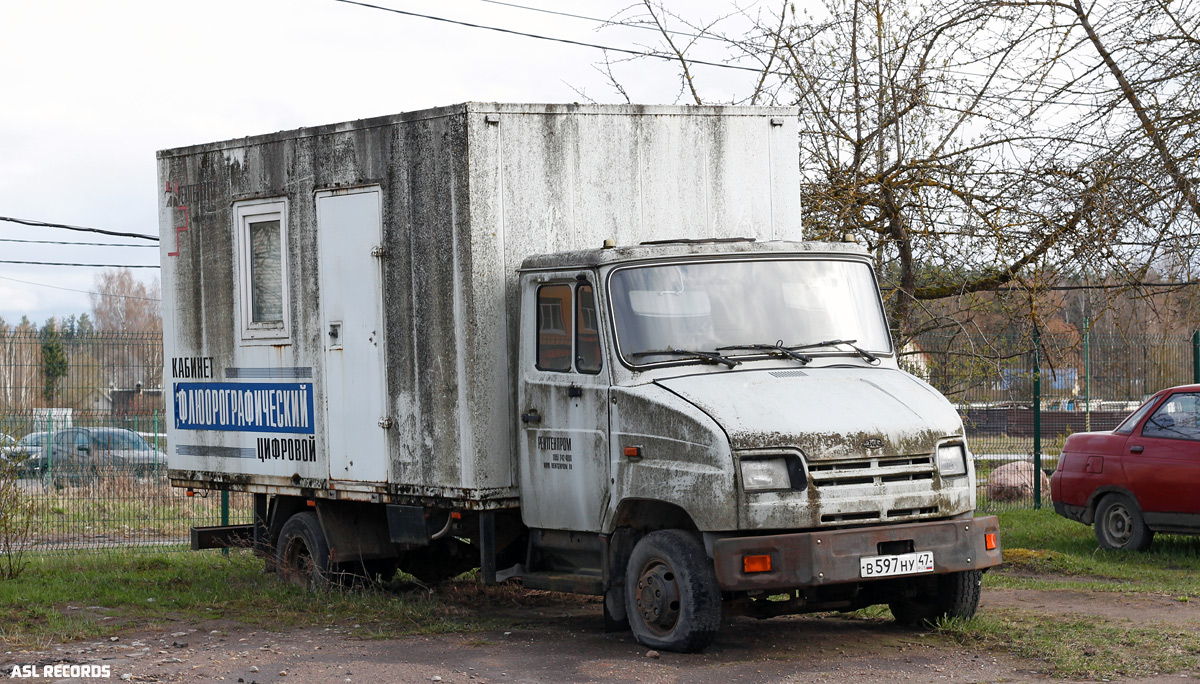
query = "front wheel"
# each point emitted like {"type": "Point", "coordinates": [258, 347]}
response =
{"type": "Point", "coordinates": [671, 593]}
{"type": "Point", "coordinates": [1119, 525]}
{"type": "Point", "coordinates": [952, 595]}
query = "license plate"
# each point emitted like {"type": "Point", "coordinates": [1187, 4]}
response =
{"type": "Point", "coordinates": [901, 564]}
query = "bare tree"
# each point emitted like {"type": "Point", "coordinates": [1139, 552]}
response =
{"type": "Point", "coordinates": [973, 147]}
{"type": "Point", "coordinates": [122, 303]}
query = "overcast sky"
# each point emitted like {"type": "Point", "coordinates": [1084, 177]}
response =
{"type": "Point", "coordinates": [91, 90]}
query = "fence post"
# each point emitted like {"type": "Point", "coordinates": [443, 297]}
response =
{"type": "Point", "coordinates": [225, 515]}
{"type": "Point", "coordinates": [50, 445]}
{"type": "Point", "coordinates": [156, 449]}
{"type": "Point", "coordinates": [1087, 375]}
{"type": "Point", "coordinates": [1196, 357]}
{"type": "Point", "coordinates": [1037, 419]}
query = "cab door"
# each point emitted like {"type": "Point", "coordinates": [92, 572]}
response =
{"type": "Point", "coordinates": [1162, 462]}
{"type": "Point", "coordinates": [563, 403]}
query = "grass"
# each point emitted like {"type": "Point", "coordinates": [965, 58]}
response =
{"type": "Point", "coordinates": [1080, 647]}
{"type": "Point", "coordinates": [62, 598]}
{"type": "Point", "coordinates": [1045, 551]}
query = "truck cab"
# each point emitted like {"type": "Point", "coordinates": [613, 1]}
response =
{"type": "Point", "coordinates": [728, 419]}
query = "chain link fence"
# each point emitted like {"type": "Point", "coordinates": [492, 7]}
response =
{"type": "Point", "coordinates": [82, 416]}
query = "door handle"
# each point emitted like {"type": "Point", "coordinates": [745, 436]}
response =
{"type": "Point", "coordinates": [1137, 448]}
{"type": "Point", "coordinates": [532, 417]}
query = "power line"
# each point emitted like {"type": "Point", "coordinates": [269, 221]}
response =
{"type": "Point", "coordinates": [1118, 286]}
{"type": "Point", "coordinates": [607, 22]}
{"type": "Point", "coordinates": [71, 289]}
{"type": "Point", "coordinates": [80, 244]}
{"type": "Point", "coordinates": [57, 263]}
{"type": "Point", "coordinates": [44, 224]}
{"type": "Point", "coordinates": [675, 57]}
{"type": "Point", "coordinates": [638, 53]}
{"type": "Point", "coordinates": [1064, 288]}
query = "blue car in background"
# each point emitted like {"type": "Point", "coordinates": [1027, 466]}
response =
{"type": "Point", "coordinates": [80, 456]}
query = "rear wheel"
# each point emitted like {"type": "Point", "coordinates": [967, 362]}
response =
{"type": "Point", "coordinates": [952, 595]}
{"type": "Point", "coordinates": [671, 593]}
{"type": "Point", "coordinates": [1119, 524]}
{"type": "Point", "coordinates": [303, 555]}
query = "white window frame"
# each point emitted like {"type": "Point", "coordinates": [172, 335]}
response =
{"type": "Point", "coordinates": [255, 211]}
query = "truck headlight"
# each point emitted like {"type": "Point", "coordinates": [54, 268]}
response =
{"type": "Point", "coordinates": [952, 460]}
{"type": "Point", "coordinates": [762, 474]}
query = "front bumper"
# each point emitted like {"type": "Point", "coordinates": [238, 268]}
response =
{"type": "Point", "coordinates": [808, 559]}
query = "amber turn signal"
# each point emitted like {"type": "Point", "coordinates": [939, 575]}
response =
{"type": "Point", "coordinates": [756, 563]}
{"type": "Point", "coordinates": [191, 492]}
{"type": "Point", "coordinates": [633, 452]}
{"type": "Point", "coordinates": [989, 541]}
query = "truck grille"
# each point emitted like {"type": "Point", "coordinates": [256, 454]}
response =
{"type": "Point", "coordinates": [871, 471]}
{"type": "Point", "coordinates": [860, 487]}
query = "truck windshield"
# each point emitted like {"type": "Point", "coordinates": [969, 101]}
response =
{"type": "Point", "coordinates": [707, 306]}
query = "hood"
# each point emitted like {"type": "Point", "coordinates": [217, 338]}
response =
{"type": "Point", "coordinates": [829, 413]}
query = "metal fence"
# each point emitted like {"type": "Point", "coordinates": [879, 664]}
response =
{"type": "Point", "coordinates": [87, 411]}
{"type": "Point", "coordinates": [83, 412]}
{"type": "Point", "coordinates": [1021, 396]}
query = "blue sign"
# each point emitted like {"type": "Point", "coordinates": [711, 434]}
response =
{"type": "Point", "coordinates": [244, 406]}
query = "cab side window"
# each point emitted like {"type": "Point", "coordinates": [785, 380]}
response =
{"type": "Point", "coordinates": [1177, 418]}
{"type": "Point", "coordinates": [553, 328]}
{"type": "Point", "coordinates": [568, 329]}
{"type": "Point", "coordinates": [587, 336]}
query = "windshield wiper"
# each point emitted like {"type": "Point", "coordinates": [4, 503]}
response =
{"type": "Point", "coordinates": [870, 358]}
{"type": "Point", "coordinates": [708, 357]}
{"type": "Point", "coordinates": [776, 349]}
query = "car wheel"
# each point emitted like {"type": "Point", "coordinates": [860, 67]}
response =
{"type": "Point", "coordinates": [303, 555]}
{"type": "Point", "coordinates": [952, 595]}
{"type": "Point", "coordinates": [1119, 524]}
{"type": "Point", "coordinates": [671, 593]}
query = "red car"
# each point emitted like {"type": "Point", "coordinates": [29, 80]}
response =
{"type": "Point", "coordinates": [1141, 478]}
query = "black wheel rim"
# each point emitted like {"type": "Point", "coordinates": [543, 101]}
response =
{"type": "Point", "coordinates": [298, 563]}
{"type": "Point", "coordinates": [657, 597]}
{"type": "Point", "coordinates": [1118, 524]}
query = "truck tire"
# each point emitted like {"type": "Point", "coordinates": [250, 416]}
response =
{"type": "Point", "coordinates": [1119, 525]}
{"type": "Point", "coordinates": [671, 593]}
{"type": "Point", "coordinates": [952, 595]}
{"type": "Point", "coordinates": [302, 557]}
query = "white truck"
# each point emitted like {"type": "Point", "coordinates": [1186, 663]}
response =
{"type": "Point", "coordinates": [577, 345]}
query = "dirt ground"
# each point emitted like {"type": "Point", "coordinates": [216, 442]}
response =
{"type": "Point", "coordinates": [561, 639]}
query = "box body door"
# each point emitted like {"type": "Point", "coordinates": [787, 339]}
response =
{"type": "Point", "coordinates": [349, 229]}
